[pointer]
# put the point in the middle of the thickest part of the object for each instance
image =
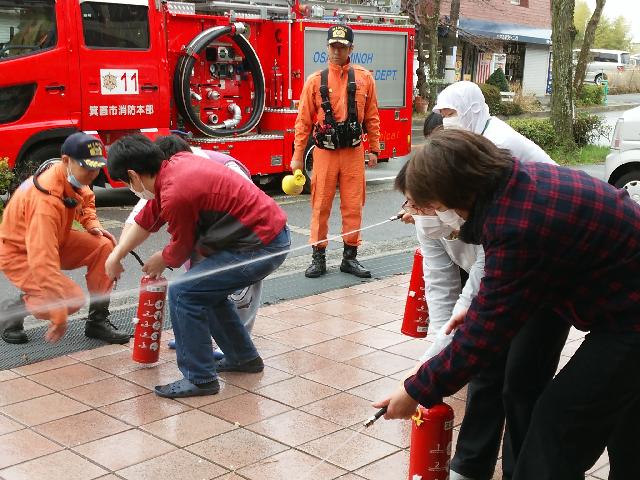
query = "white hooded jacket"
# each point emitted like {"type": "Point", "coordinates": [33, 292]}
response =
{"type": "Point", "coordinates": [467, 99]}
{"type": "Point", "coordinates": [442, 257]}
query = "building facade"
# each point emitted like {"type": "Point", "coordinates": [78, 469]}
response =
{"type": "Point", "coordinates": [514, 35]}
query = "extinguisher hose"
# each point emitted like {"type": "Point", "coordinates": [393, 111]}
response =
{"type": "Point", "coordinates": [137, 257]}
{"type": "Point", "coordinates": [184, 69]}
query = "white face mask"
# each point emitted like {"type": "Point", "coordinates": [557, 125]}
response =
{"type": "Point", "coordinates": [452, 122]}
{"type": "Point", "coordinates": [451, 218]}
{"type": "Point", "coordinates": [144, 194]}
{"type": "Point", "coordinates": [432, 226]}
{"type": "Point", "coordinates": [71, 178]}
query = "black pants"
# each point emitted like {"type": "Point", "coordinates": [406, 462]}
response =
{"type": "Point", "coordinates": [593, 403]}
{"type": "Point", "coordinates": [509, 388]}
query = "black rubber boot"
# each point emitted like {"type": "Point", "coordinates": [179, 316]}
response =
{"type": "Point", "coordinates": [100, 327]}
{"type": "Point", "coordinates": [351, 265]}
{"type": "Point", "coordinates": [12, 313]}
{"type": "Point", "coordinates": [318, 265]}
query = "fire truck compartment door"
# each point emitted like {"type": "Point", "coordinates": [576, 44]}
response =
{"type": "Point", "coordinates": [35, 91]}
{"type": "Point", "coordinates": [384, 53]}
{"type": "Point", "coordinates": [121, 54]}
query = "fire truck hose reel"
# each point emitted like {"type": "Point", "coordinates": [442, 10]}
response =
{"type": "Point", "coordinates": [183, 90]}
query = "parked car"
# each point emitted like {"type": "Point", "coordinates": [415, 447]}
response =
{"type": "Point", "coordinates": [604, 62]}
{"type": "Point", "coordinates": [622, 166]}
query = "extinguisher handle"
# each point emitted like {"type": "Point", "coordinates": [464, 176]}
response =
{"type": "Point", "coordinates": [375, 417]}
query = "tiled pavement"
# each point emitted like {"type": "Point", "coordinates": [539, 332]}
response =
{"type": "Point", "coordinates": [92, 414]}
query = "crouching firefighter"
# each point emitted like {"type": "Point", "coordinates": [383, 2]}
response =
{"type": "Point", "coordinates": [37, 242]}
{"type": "Point", "coordinates": [339, 104]}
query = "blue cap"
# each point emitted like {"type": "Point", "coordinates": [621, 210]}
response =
{"type": "Point", "coordinates": [85, 149]}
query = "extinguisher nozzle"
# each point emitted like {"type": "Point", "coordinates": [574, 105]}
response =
{"type": "Point", "coordinates": [375, 417]}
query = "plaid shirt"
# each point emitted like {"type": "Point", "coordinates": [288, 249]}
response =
{"type": "Point", "coordinates": [552, 236]}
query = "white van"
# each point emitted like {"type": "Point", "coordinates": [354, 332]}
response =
{"type": "Point", "coordinates": [604, 62]}
{"type": "Point", "coordinates": [622, 165]}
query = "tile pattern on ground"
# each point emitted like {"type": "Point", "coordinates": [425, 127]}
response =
{"type": "Point", "coordinates": [81, 428]}
{"type": "Point", "coordinates": [23, 445]}
{"type": "Point", "coordinates": [176, 465]}
{"type": "Point", "coordinates": [291, 462]}
{"type": "Point", "coordinates": [124, 449]}
{"type": "Point", "coordinates": [144, 409]}
{"type": "Point", "coordinates": [294, 427]}
{"type": "Point", "coordinates": [237, 448]}
{"type": "Point", "coordinates": [93, 414]}
{"type": "Point", "coordinates": [348, 449]}
{"type": "Point", "coordinates": [43, 409]}
{"type": "Point", "coordinates": [246, 409]}
{"type": "Point", "coordinates": [64, 465]}
{"type": "Point", "coordinates": [188, 427]}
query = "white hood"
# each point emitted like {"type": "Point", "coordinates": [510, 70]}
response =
{"type": "Point", "coordinates": [467, 99]}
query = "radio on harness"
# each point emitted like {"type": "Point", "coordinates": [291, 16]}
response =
{"type": "Point", "coordinates": [331, 135]}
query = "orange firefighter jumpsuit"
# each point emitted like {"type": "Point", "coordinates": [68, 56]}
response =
{"type": "Point", "coordinates": [37, 242]}
{"type": "Point", "coordinates": [344, 166]}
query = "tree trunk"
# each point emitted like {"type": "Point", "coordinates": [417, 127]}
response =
{"type": "Point", "coordinates": [562, 34]}
{"type": "Point", "coordinates": [589, 36]}
{"type": "Point", "coordinates": [454, 16]}
{"type": "Point", "coordinates": [452, 41]}
{"type": "Point", "coordinates": [431, 24]}
{"type": "Point", "coordinates": [421, 84]}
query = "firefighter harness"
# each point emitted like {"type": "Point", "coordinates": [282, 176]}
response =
{"type": "Point", "coordinates": [331, 135]}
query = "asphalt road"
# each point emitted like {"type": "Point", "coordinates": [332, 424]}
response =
{"type": "Point", "coordinates": [382, 202]}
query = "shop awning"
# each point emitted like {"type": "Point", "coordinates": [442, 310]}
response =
{"type": "Point", "coordinates": [509, 32]}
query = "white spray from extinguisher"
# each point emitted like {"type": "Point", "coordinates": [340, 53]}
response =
{"type": "Point", "coordinates": [133, 292]}
{"type": "Point", "coordinates": [206, 273]}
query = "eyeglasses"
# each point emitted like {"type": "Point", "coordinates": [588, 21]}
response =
{"type": "Point", "coordinates": [412, 209]}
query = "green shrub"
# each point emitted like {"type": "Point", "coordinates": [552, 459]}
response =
{"type": "Point", "coordinates": [510, 108]}
{"type": "Point", "coordinates": [492, 98]}
{"type": "Point", "coordinates": [590, 95]}
{"type": "Point", "coordinates": [498, 80]}
{"type": "Point", "coordinates": [588, 128]}
{"type": "Point", "coordinates": [6, 175]}
{"type": "Point", "coordinates": [538, 130]}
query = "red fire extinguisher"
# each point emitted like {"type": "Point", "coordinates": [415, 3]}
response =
{"type": "Point", "coordinates": [431, 434]}
{"type": "Point", "coordinates": [149, 319]}
{"type": "Point", "coordinates": [416, 315]}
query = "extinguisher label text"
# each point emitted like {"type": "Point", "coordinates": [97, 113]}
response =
{"type": "Point", "coordinates": [118, 82]}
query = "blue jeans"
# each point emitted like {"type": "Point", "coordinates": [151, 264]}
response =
{"type": "Point", "coordinates": [200, 307]}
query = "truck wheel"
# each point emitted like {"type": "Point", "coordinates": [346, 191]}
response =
{"type": "Point", "coordinates": [308, 167]}
{"type": "Point", "coordinates": [31, 161]}
{"type": "Point", "coordinates": [631, 183]}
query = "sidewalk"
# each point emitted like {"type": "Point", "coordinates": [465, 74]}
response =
{"type": "Point", "coordinates": [92, 414]}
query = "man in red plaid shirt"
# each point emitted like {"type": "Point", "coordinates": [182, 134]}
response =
{"type": "Point", "coordinates": [552, 236]}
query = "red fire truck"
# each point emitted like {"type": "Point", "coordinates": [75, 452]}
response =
{"type": "Point", "coordinates": [228, 73]}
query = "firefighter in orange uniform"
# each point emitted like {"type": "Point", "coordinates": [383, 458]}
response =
{"type": "Point", "coordinates": [37, 243]}
{"type": "Point", "coordinates": [337, 116]}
